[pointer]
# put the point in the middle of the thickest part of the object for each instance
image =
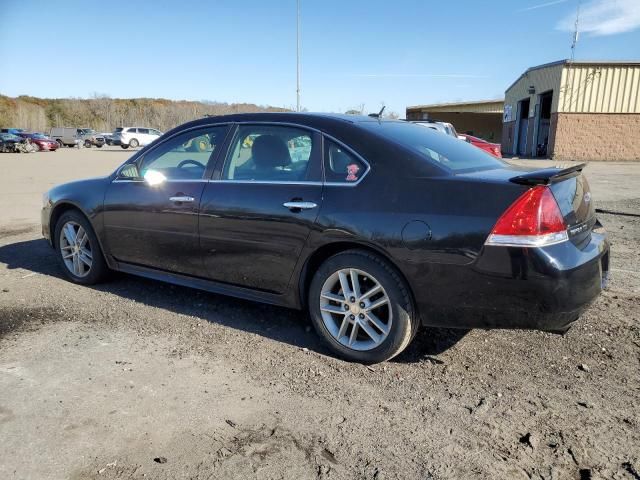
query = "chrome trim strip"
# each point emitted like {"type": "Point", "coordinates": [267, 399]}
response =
{"type": "Point", "coordinates": [497, 240]}
{"type": "Point", "coordinates": [266, 182]}
{"type": "Point", "coordinates": [168, 180]}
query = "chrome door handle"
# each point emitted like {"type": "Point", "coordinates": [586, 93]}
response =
{"type": "Point", "coordinates": [182, 199]}
{"type": "Point", "coordinates": [299, 205]}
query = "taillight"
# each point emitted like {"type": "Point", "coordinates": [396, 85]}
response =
{"type": "Point", "coordinates": [533, 220]}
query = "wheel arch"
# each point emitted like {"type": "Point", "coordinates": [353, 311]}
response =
{"type": "Point", "coordinates": [59, 210]}
{"type": "Point", "coordinates": [328, 250]}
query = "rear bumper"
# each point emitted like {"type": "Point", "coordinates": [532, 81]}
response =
{"type": "Point", "coordinates": [528, 288]}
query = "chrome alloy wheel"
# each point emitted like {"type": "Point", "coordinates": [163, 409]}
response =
{"type": "Point", "coordinates": [355, 309]}
{"type": "Point", "coordinates": [75, 249]}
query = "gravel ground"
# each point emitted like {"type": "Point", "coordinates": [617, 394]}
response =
{"type": "Point", "coordinates": [137, 379]}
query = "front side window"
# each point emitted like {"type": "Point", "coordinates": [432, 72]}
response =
{"type": "Point", "coordinates": [184, 157]}
{"type": "Point", "coordinates": [341, 166]}
{"type": "Point", "coordinates": [270, 153]}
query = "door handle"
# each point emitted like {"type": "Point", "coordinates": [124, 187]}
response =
{"type": "Point", "coordinates": [182, 199]}
{"type": "Point", "coordinates": [299, 205]}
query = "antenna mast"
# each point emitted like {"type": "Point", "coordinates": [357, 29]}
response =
{"type": "Point", "coordinates": [575, 33]}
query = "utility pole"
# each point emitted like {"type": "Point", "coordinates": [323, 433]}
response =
{"type": "Point", "coordinates": [575, 33]}
{"type": "Point", "coordinates": [297, 55]}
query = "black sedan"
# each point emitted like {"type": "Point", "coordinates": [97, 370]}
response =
{"type": "Point", "coordinates": [376, 227]}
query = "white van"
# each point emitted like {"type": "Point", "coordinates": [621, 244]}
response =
{"type": "Point", "coordinates": [137, 136]}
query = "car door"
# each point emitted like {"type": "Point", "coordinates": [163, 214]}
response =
{"type": "Point", "coordinates": [144, 136]}
{"type": "Point", "coordinates": [257, 212]}
{"type": "Point", "coordinates": [151, 208]}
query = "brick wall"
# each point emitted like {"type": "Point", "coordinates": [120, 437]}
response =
{"type": "Point", "coordinates": [593, 136]}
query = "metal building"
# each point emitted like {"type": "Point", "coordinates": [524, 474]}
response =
{"type": "Point", "coordinates": [574, 111]}
{"type": "Point", "coordinates": [480, 118]}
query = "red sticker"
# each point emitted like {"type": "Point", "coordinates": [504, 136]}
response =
{"type": "Point", "coordinates": [352, 171]}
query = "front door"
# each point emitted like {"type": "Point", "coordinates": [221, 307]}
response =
{"type": "Point", "coordinates": [257, 214]}
{"type": "Point", "coordinates": [151, 208]}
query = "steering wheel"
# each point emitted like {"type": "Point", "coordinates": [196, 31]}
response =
{"type": "Point", "coordinates": [191, 162]}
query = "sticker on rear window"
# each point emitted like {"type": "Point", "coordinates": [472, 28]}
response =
{"type": "Point", "coordinates": [352, 172]}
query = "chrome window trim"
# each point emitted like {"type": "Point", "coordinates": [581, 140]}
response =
{"type": "Point", "coordinates": [268, 182]}
{"type": "Point", "coordinates": [323, 136]}
{"type": "Point", "coordinates": [168, 180]}
{"type": "Point", "coordinates": [261, 182]}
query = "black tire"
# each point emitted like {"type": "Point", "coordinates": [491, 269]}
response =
{"type": "Point", "coordinates": [100, 145]}
{"type": "Point", "coordinates": [124, 146]}
{"type": "Point", "coordinates": [133, 143]}
{"type": "Point", "coordinates": [99, 269]}
{"type": "Point", "coordinates": [405, 321]}
{"type": "Point", "coordinates": [87, 144]}
{"type": "Point", "coordinates": [60, 144]}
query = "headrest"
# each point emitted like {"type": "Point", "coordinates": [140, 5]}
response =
{"type": "Point", "coordinates": [269, 151]}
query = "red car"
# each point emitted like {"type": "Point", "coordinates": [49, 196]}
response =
{"type": "Point", "coordinates": [494, 149]}
{"type": "Point", "coordinates": [43, 142]}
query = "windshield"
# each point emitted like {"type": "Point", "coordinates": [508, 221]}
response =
{"type": "Point", "coordinates": [39, 136]}
{"type": "Point", "coordinates": [447, 151]}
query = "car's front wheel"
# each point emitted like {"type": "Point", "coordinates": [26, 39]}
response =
{"type": "Point", "coordinates": [134, 143]}
{"type": "Point", "coordinates": [78, 249]}
{"type": "Point", "coordinates": [361, 307]}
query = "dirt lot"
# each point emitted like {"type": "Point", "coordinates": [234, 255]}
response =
{"type": "Point", "coordinates": [138, 379]}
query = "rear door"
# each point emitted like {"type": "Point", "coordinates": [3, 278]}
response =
{"type": "Point", "coordinates": [151, 208]}
{"type": "Point", "coordinates": [258, 211]}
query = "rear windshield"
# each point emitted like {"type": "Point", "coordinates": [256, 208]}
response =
{"type": "Point", "coordinates": [447, 151]}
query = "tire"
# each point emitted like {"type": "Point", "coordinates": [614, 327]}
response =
{"type": "Point", "coordinates": [87, 144]}
{"type": "Point", "coordinates": [60, 144]}
{"type": "Point", "coordinates": [397, 315]}
{"type": "Point", "coordinates": [100, 145]}
{"type": "Point", "coordinates": [98, 270]}
{"type": "Point", "coordinates": [124, 146]}
{"type": "Point", "coordinates": [133, 143]}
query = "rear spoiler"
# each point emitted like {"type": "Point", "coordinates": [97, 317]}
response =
{"type": "Point", "coordinates": [547, 176]}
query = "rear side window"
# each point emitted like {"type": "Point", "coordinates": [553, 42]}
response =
{"type": "Point", "coordinates": [143, 131]}
{"type": "Point", "coordinates": [340, 165]}
{"type": "Point", "coordinates": [131, 130]}
{"type": "Point", "coordinates": [271, 153]}
{"type": "Point", "coordinates": [447, 151]}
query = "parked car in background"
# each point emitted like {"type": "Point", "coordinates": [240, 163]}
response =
{"type": "Point", "coordinates": [70, 137]}
{"type": "Point", "coordinates": [137, 136]}
{"type": "Point", "coordinates": [14, 131]}
{"type": "Point", "coordinates": [90, 138]}
{"type": "Point", "coordinates": [10, 143]}
{"type": "Point", "coordinates": [494, 149]}
{"type": "Point", "coordinates": [42, 141]}
{"type": "Point", "coordinates": [442, 127]}
{"type": "Point", "coordinates": [374, 227]}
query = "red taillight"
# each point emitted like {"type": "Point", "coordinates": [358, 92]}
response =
{"type": "Point", "coordinates": [532, 220]}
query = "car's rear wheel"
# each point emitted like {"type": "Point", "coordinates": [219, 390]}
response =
{"type": "Point", "coordinates": [78, 249]}
{"type": "Point", "coordinates": [124, 146]}
{"type": "Point", "coordinates": [87, 144]}
{"type": "Point", "coordinates": [134, 143]}
{"type": "Point", "coordinates": [60, 144]}
{"type": "Point", "coordinates": [361, 307]}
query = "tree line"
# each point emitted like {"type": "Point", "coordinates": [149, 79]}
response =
{"type": "Point", "coordinates": [104, 113]}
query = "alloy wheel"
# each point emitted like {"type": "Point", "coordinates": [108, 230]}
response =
{"type": "Point", "coordinates": [75, 249]}
{"type": "Point", "coordinates": [355, 309]}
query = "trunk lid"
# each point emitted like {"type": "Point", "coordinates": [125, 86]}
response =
{"type": "Point", "coordinates": [573, 195]}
